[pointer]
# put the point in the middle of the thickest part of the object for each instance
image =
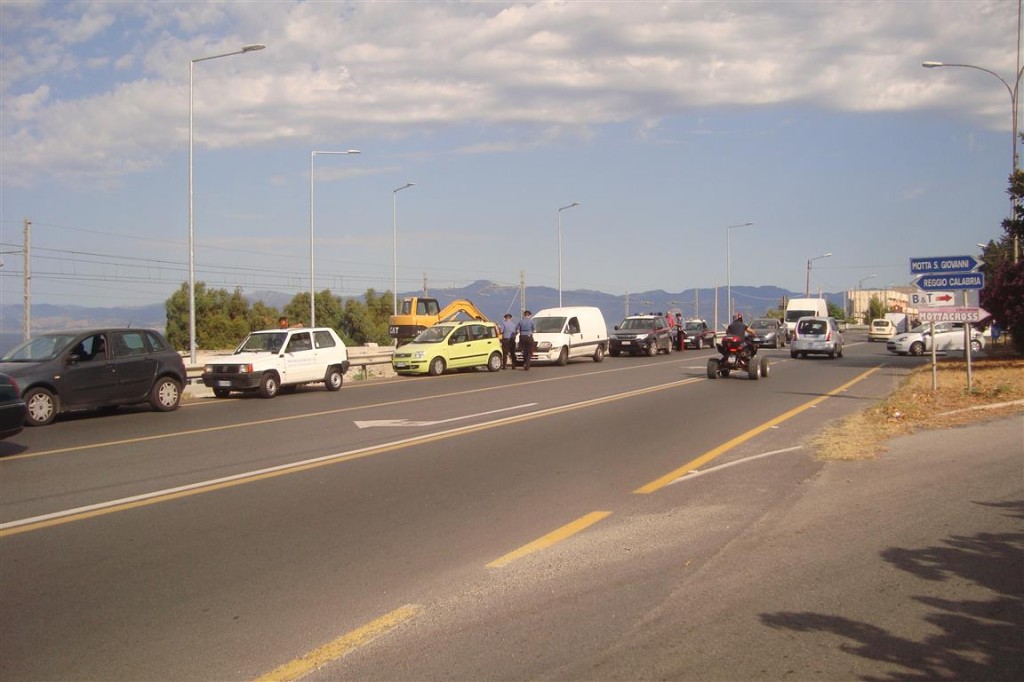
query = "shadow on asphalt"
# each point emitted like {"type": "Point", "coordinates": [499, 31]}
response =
{"type": "Point", "coordinates": [976, 640]}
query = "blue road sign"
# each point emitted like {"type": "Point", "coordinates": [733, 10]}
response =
{"type": "Point", "coordinates": [943, 265]}
{"type": "Point", "coordinates": [955, 281]}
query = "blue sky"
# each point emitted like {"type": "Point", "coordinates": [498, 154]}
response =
{"type": "Point", "coordinates": [667, 121]}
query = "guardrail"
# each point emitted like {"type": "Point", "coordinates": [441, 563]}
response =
{"type": "Point", "coordinates": [360, 359]}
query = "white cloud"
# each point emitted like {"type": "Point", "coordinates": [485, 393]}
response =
{"type": "Point", "coordinates": [392, 67]}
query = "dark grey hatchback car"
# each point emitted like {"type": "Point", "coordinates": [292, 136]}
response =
{"type": "Point", "coordinates": [80, 370]}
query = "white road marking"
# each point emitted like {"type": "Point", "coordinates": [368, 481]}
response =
{"type": "Point", "coordinates": [408, 422]}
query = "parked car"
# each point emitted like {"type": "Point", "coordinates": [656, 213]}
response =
{"type": "Point", "coordinates": [12, 408]}
{"type": "Point", "coordinates": [697, 334]}
{"type": "Point", "coordinates": [949, 337]}
{"type": "Point", "coordinates": [769, 332]}
{"type": "Point", "coordinates": [450, 345]}
{"type": "Point", "coordinates": [881, 330]}
{"type": "Point", "coordinates": [816, 335]}
{"type": "Point", "coordinates": [79, 370]}
{"type": "Point", "coordinates": [639, 335]}
{"type": "Point", "coordinates": [278, 360]}
{"type": "Point", "coordinates": [565, 333]}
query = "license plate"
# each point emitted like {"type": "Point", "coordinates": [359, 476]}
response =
{"type": "Point", "coordinates": [401, 365]}
{"type": "Point", "coordinates": [223, 384]}
{"type": "Point", "coordinates": [627, 343]}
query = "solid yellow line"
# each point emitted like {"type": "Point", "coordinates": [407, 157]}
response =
{"type": "Point", "coordinates": [551, 538]}
{"type": "Point", "coordinates": [340, 647]}
{"type": "Point", "coordinates": [660, 483]}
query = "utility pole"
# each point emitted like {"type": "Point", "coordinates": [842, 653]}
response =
{"type": "Point", "coordinates": [26, 303]}
{"type": "Point", "coordinates": [424, 285]}
{"type": "Point", "coordinates": [522, 292]}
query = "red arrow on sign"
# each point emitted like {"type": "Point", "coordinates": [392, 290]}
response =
{"type": "Point", "coordinates": [947, 297]}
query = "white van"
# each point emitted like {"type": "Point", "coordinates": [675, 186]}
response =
{"type": "Point", "coordinates": [804, 307]}
{"type": "Point", "coordinates": [565, 333]}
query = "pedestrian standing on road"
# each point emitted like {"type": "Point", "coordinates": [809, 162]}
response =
{"type": "Point", "coordinates": [508, 341]}
{"type": "Point", "coordinates": [525, 328]}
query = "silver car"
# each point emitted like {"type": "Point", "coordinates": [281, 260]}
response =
{"type": "Point", "coordinates": [816, 336]}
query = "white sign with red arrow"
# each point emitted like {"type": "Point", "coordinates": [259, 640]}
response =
{"type": "Point", "coordinates": [929, 298]}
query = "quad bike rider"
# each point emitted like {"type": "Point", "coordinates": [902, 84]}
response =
{"type": "Point", "coordinates": [738, 353]}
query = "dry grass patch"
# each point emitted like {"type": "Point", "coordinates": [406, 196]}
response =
{"type": "Point", "coordinates": [914, 405]}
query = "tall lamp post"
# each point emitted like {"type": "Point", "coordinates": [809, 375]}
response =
{"type": "Point", "coordinates": [559, 214]}
{"type": "Point", "coordinates": [860, 287]}
{"type": "Point", "coordinates": [394, 242]}
{"type": "Point", "coordinates": [312, 277]}
{"type": "Point", "coordinates": [728, 266]}
{"type": "Point", "coordinates": [807, 285]}
{"type": "Point", "coordinates": [1013, 112]}
{"type": "Point", "coordinates": [191, 219]}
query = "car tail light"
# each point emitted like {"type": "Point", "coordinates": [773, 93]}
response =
{"type": "Point", "coordinates": [828, 336]}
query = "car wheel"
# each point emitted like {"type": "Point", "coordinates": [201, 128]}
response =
{"type": "Point", "coordinates": [699, 345]}
{"type": "Point", "coordinates": [832, 353]}
{"type": "Point", "coordinates": [166, 395]}
{"type": "Point", "coordinates": [652, 349]}
{"type": "Point", "coordinates": [334, 379]}
{"type": "Point", "coordinates": [269, 385]}
{"type": "Point", "coordinates": [563, 356]}
{"type": "Point", "coordinates": [793, 354]}
{"type": "Point", "coordinates": [764, 367]}
{"type": "Point", "coordinates": [668, 347]}
{"type": "Point", "coordinates": [494, 362]}
{"type": "Point", "coordinates": [613, 353]}
{"type": "Point", "coordinates": [712, 368]}
{"type": "Point", "coordinates": [776, 344]}
{"type": "Point", "coordinates": [41, 407]}
{"type": "Point", "coordinates": [840, 351]}
{"type": "Point", "coordinates": [221, 393]}
{"type": "Point", "coordinates": [437, 366]}
{"type": "Point", "coordinates": [599, 353]}
{"type": "Point", "coordinates": [916, 348]}
{"type": "Point", "coordinates": [975, 346]}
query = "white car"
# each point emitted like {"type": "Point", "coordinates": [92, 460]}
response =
{"type": "Point", "coordinates": [279, 360]}
{"type": "Point", "coordinates": [949, 336]}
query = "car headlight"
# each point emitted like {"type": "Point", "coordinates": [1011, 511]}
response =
{"type": "Point", "coordinates": [418, 355]}
{"type": "Point", "coordinates": [544, 346]}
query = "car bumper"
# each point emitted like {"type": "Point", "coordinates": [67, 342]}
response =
{"type": "Point", "coordinates": [813, 347]}
{"type": "Point", "coordinates": [234, 382]}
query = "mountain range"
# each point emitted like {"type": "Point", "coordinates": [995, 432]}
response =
{"type": "Point", "coordinates": [493, 299]}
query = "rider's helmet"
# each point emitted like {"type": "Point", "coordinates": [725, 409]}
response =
{"type": "Point", "coordinates": [738, 316]}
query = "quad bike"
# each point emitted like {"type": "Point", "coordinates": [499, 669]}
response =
{"type": "Point", "coordinates": [737, 357]}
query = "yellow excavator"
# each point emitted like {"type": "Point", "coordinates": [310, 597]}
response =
{"type": "Point", "coordinates": [419, 313]}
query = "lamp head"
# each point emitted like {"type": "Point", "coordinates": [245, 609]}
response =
{"type": "Point", "coordinates": [254, 47]}
{"type": "Point", "coordinates": [931, 65]}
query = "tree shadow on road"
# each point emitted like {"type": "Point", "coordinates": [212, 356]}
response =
{"type": "Point", "coordinates": [979, 640]}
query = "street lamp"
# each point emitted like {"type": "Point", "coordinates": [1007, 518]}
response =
{"type": "Point", "coordinates": [860, 287]}
{"type": "Point", "coordinates": [191, 220]}
{"type": "Point", "coordinates": [312, 279]}
{"type": "Point", "coordinates": [559, 214]}
{"type": "Point", "coordinates": [394, 241]}
{"type": "Point", "coordinates": [728, 267]}
{"type": "Point", "coordinates": [807, 286]}
{"type": "Point", "coordinates": [1013, 112]}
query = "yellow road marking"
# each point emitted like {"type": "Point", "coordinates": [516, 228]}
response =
{"type": "Point", "coordinates": [551, 538]}
{"type": "Point", "coordinates": [660, 483]}
{"type": "Point", "coordinates": [104, 508]}
{"type": "Point", "coordinates": [311, 415]}
{"type": "Point", "coordinates": [340, 647]}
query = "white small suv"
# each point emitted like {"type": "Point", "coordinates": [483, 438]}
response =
{"type": "Point", "coordinates": [279, 360]}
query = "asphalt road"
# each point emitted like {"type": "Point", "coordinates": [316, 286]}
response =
{"type": "Point", "coordinates": [513, 525]}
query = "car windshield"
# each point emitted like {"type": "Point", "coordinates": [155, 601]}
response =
{"type": "Point", "coordinates": [761, 324]}
{"type": "Point", "coordinates": [794, 315]}
{"type": "Point", "coordinates": [880, 323]}
{"type": "Point", "coordinates": [263, 343]}
{"type": "Point", "coordinates": [636, 323]}
{"type": "Point", "coordinates": [434, 334]}
{"type": "Point", "coordinates": [812, 327]}
{"type": "Point", "coordinates": [45, 347]}
{"type": "Point", "coordinates": [920, 328]}
{"type": "Point", "coordinates": [693, 326]}
{"type": "Point", "coordinates": [549, 324]}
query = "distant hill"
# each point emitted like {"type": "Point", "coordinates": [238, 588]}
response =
{"type": "Point", "coordinates": [493, 299]}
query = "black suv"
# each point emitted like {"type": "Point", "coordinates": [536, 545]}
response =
{"type": "Point", "coordinates": [641, 334]}
{"type": "Point", "coordinates": [79, 370]}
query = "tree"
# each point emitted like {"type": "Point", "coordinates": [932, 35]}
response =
{"type": "Point", "coordinates": [367, 323]}
{"type": "Point", "coordinates": [1003, 295]}
{"type": "Point", "coordinates": [876, 309]}
{"type": "Point", "coordinates": [836, 311]}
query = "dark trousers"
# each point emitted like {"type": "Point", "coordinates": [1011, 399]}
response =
{"type": "Point", "coordinates": [526, 345]}
{"type": "Point", "coordinates": [508, 351]}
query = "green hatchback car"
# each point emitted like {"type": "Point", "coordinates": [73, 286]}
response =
{"type": "Point", "coordinates": [450, 345]}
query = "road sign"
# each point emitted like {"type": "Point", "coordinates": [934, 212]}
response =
{"type": "Point", "coordinates": [952, 314]}
{"type": "Point", "coordinates": [943, 265]}
{"type": "Point", "coordinates": [929, 298]}
{"type": "Point", "coordinates": [953, 280]}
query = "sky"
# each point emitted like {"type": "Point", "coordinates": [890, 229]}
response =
{"type": "Point", "coordinates": [668, 122]}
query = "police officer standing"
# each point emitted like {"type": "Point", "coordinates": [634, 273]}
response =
{"type": "Point", "coordinates": [525, 328]}
{"type": "Point", "coordinates": [508, 341]}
